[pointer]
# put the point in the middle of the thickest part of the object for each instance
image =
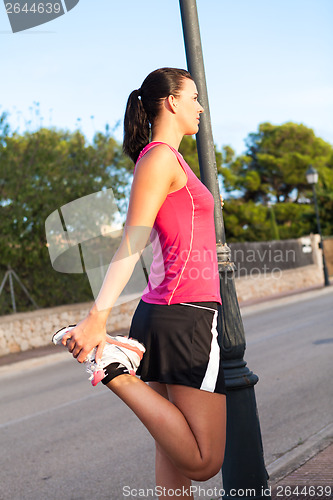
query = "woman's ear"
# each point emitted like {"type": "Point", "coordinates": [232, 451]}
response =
{"type": "Point", "coordinates": [171, 103]}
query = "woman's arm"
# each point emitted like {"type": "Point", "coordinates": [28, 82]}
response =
{"type": "Point", "coordinates": [154, 174]}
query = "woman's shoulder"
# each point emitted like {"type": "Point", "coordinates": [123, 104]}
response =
{"type": "Point", "coordinates": [158, 149]}
{"type": "Point", "coordinates": [158, 157]}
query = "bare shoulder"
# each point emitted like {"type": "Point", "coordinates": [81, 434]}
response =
{"type": "Point", "coordinates": [154, 174]}
{"type": "Point", "coordinates": [159, 160]}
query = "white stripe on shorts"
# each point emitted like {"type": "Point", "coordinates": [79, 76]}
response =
{"type": "Point", "coordinates": [196, 305]}
{"type": "Point", "coordinates": [210, 378]}
{"type": "Point", "coordinates": [212, 371]}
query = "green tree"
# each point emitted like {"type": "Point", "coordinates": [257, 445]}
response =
{"type": "Point", "coordinates": [324, 191]}
{"type": "Point", "coordinates": [274, 164]}
{"type": "Point", "coordinates": [188, 148]}
{"type": "Point", "coordinates": [245, 221]}
{"type": "Point", "coordinates": [294, 219]}
{"type": "Point", "coordinates": [274, 227]}
{"type": "Point", "coordinates": [272, 170]}
{"type": "Point", "coordinates": [39, 172]}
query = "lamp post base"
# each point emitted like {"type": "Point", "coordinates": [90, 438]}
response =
{"type": "Point", "coordinates": [244, 473]}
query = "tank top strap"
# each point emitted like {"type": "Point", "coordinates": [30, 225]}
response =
{"type": "Point", "coordinates": [156, 143]}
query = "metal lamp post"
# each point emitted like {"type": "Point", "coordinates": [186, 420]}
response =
{"type": "Point", "coordinates": [312, 179]}
{"type": "Point", "coordinates": [243, 468]}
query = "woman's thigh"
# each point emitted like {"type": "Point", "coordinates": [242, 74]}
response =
{"type": "Point", "coordinates": [205, 413]}
{"type": "Point", "coordinates": [159, 388]}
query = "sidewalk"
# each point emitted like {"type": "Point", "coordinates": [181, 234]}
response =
{"type": "Point", "coordinates": [311, 481]}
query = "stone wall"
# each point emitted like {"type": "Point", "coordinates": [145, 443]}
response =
{"type": "Point", "coordinates": [328, 249]}
{"type": "Point", "coordinates": [23, 331]}
{"type": "Point", "coordinates": [28, 330]}
{"type": "Point", "coordinates": [256, 285]}
{"type": "Point", "coordinates": [267, 285]}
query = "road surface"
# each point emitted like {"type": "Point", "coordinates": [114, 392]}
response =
{"type": "Point", "coordinates": [62, 439]}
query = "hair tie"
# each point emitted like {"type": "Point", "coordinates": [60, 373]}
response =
{"type": "Point", "coordinates": [138, 91]}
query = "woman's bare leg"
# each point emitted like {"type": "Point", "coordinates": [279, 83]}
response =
{"type": "Point", "coordinates": [189, 427]}
{"type": "Point", "coordinates": [167, 475]}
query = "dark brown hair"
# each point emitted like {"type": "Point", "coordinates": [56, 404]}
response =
{"type": "Point", "coordinates": [143, 106]}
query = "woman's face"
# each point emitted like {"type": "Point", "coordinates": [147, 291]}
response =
{"type": "Point", "coordinates": [188, 108]}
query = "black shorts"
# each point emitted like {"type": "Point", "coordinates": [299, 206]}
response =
{"type": "Point", "coordinates": [182, 344]}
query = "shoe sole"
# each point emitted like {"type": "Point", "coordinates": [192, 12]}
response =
{"type": "Point", "coordinates": [60, 333]}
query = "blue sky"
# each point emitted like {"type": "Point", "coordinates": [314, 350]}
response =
{"type": "Point", "coordinates": [264, 60]}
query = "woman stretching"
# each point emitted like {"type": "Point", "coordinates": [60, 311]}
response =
{"type": "Point", "coordinates": [183, 405]}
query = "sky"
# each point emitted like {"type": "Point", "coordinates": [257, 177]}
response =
{"type": "Point", "coordinates": [264, 61]}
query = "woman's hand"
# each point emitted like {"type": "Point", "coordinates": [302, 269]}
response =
{"type": "Point", "coordinates": [222, 202]}
{"type": "Point", "coordinates": [88, 334]}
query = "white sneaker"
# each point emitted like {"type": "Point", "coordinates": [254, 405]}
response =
{"type": "Point", "coordinates": [127, 352]}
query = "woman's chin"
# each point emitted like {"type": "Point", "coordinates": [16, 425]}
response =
{"type": "Point", "coordinates": [193, 130]}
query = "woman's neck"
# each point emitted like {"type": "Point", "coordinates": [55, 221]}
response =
{"type": "Point", "coordinates": [168, 135]}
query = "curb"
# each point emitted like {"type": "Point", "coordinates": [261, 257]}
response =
{"type": "Point", "coordinates": [299, 296]}
{"type": "Point", "coordinates": [296, 457]}
{"type": "Point", "coordinates": [32, 363]}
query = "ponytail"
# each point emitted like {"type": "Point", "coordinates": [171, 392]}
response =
{"type": "Point", "coordinates": [136, 126]}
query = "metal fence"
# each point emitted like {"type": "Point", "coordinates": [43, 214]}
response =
{"type": "Point", "coordinates": [270, 256]}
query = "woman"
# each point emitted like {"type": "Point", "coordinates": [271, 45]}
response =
{"type": "Point", "coordinates": [183, 407]}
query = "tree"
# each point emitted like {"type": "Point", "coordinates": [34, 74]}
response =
{"type": "Point", "coordinates": [274, 164]}
{"type": "Point", "coordinates": [245, 221]}
{"type": "Point", "coordinates": [188, 148]}
{"type": "Point", "coordinates": [324, 191]}
{"type": "Point", "coordinates": [274, 227]}
{"type": "Point", "coordinates": [272, 170]}
{"type": "Point", "coordinates": [39, 172]}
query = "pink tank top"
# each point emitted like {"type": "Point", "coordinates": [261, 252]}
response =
{"type": "Point", "coordinates": [184, 267]}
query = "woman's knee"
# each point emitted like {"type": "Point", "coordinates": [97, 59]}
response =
{"type": "Point", "coordinates": [201, 471]}
{"type": "Point", "coordinates": [207, 469]}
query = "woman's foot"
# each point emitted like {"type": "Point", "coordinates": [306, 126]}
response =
{"type": "Point", "coordinates": [121, 355]}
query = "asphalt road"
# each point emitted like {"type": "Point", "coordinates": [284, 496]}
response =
{"type": "Point", "coordinates": [62, 439]}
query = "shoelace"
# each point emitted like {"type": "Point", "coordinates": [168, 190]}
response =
{"type": "Point", "coordinates": [92, 367]}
